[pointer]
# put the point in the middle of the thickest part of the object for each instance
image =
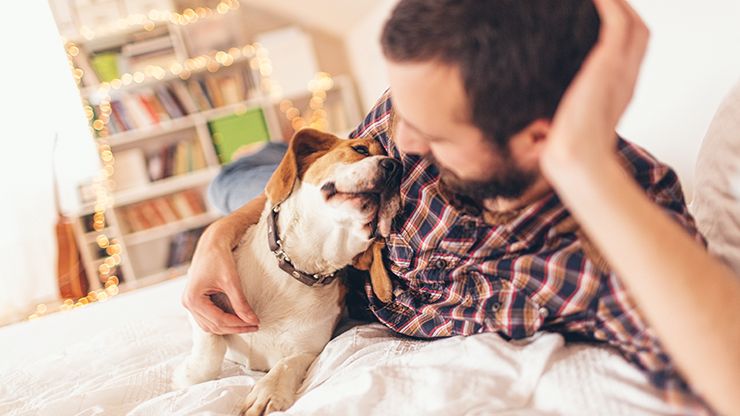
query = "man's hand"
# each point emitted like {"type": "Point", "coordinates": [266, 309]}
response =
{"type": "Point", "coordinates": [583, 127]}
{"type": "Point", "coordinates": [213, 271]}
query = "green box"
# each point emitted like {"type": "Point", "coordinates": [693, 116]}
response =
{"type": "Point", "coordinates": [106, 65]}
{"type": "Point", "coordinates": [233, 133]}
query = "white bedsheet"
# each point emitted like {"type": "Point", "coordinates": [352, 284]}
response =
{"type": "Point", "coordinates": [116, 358]}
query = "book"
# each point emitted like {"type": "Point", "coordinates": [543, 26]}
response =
{"type": "Point", "coordinates": [106, 65]}
{"type": "Point", "coordinates": [180, 162]}
{"type": "Point", "coordinates": [155, 166]}
{"type": "Point", "coordinates": [232, 132]}
{"type": "Point", "coordinates": [197, 157]}
{"type": "Point", "coordinates": [165, 210]}
{"type": "Point", "coordinates": [206, 93]}
{"type": "Point", "coordinates": [121, 115]}
{"type": "Point", "coordinates": [217, 99]}
{"type": "Point", "coordinates": [195, 201]}
{"type": "Point", "coordinates": [201, 101]}
{"type": "Point", "coordinates": [182, 95]}
{"type": "Point", "coordinates": [151, 214]}
{"type": "Point", "coordinates": [156, 105]}
{"type": "Point", "coordinates": [168, 102]}
{"type": "Point", "coordinates": [181, 206]}
{"type": "Point", "coordinates": [231, 89]}
{"type": "Point", "coordinates": [138, 116]}
{"type": "Point", "coordinates": [149, 109]}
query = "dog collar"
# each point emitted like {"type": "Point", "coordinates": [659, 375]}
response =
{"type": "Point", "coordinates": [276, 246]}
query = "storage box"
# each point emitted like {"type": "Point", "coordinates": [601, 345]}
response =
{"type": "Point", "coordinates": [232, 133]}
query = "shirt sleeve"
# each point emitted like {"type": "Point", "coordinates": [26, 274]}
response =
{"type": "Point", "coordinates": [619, 320]}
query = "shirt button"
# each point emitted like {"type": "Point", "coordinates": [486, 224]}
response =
{"type": "Point", "coordinates": [496, 306]}
{"type": "Point", "coordinates": [543, 312]}
{"type": "Point", "coordinates": [469, 226]}
{"type": "Point", "coordinates": [440, 264]}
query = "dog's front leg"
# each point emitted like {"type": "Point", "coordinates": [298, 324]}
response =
{"type": "Point", "coordinates": [204, 362]}
{"type": "Point", "coordinates": [277, 389]}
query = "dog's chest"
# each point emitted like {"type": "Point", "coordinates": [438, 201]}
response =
{"type": "Point", "coordinates": [293, 317]}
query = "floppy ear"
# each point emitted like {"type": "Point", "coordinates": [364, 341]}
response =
{"type": "Point", "coordinates": [306, 146]}
{"type": "Point", "coordinates": [390, 204]}
{"type": "Point", "coordinates": [372, 260]}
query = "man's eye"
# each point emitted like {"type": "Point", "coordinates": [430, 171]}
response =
{"type": "Point", "coordinates": [363, 150]}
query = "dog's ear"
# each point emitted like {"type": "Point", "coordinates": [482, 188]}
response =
{"type": "Point", "coordinates": [372, 260]}
{"type": "Point", "coordinates": [390, 204]}
{"type": "Point", "coordinates": [305, 147]}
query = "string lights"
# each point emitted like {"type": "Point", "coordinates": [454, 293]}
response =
{"type": "Point", "coordinates": [149, 21]}
{"type": "Point", "coordinates": [255, 54]}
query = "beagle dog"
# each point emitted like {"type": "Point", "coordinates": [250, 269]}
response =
{"type": "Point", "coordinates": [327, 201]}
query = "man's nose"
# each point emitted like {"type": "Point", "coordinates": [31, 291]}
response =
{"type": "Point", "coordinates": [409, 143]}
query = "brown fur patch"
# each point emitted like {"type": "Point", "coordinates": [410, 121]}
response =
{"type": "Point", "coordinates": [342, 152]}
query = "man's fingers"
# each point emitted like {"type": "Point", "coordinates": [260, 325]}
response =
{"type": "Point", "coordinates": [239, 303]}
{"type": "Point", "coordinates": [615, 23]}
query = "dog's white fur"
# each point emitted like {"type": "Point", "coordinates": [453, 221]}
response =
{"type": "Point", "coordinates": [296, 321]}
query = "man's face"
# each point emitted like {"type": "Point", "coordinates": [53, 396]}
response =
{"type": "Point", "coordinates": [432, 120]}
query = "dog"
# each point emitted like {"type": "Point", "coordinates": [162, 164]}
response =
{"type": "Point", "coordinates": [329, 204]}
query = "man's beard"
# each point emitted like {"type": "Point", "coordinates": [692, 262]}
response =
{"type": "Point", "coordinates": [507, 180]}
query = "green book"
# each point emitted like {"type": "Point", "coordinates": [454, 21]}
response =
{"type": "Point", "coordinates": [106, 66]}
{"type": "Point", "coordinates": [237, 131]}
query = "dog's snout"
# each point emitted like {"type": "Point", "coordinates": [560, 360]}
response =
{"type": "Point", "coordinates": [391, 168]}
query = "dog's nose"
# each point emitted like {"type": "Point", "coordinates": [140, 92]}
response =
{"type": "Point", "coordinates": [391, 167]}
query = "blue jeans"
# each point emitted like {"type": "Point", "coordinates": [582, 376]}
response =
{"type": "Point", "coordinates": [245, 178]}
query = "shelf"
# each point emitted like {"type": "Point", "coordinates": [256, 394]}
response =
{"type": "Point", "coordinates": [230, 109]}
{"type": "Point", "coordinates": [153, 131]}
{"type": "Point", "coordinates": [169, 229]}
{"type": "Point", "coordinates": [91, 90]}
{"type": "Point", "coordinates": [165, 186]}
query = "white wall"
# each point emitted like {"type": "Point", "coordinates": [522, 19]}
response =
{"type": "Point", "coordinates": [692, 61]}
{"type": "Point", "coordinates": [366, 58]}
{"type": "Point", "coordinates": [38, 100]}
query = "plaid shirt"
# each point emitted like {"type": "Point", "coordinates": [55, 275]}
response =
{"type": "Point", "coordinates": [460, 271]}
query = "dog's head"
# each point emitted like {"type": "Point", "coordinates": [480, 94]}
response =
{"type": "Point", "coordinates": [353, 178]}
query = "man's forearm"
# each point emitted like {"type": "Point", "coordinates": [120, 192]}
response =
{"type": "Point", "coordinates": [690, 298]}
{"type": "Point", "coordinates": [229, 229]}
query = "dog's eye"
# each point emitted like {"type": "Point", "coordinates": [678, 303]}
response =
{"type": "Point", "coordinates": [363, 150]}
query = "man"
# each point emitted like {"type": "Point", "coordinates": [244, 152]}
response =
{"type": "Point", "coordinates": [482, 243]}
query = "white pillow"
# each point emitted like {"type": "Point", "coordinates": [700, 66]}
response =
{"type": "Point", "coordinates": [716, 204]}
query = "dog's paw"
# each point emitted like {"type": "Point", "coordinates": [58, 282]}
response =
{"type": "Point", "coordinates": [185, 376]}
{"type": "Point", "coordinates": [263, 400]}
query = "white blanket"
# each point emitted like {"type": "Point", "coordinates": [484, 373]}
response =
{"type": "Point", "coordinates": [117, 357]}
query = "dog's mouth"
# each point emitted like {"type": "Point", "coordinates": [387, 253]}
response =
{"type": "Point", "coordinates": [365, 197]}
{"type": "Point", "coordinates": [366, 201]}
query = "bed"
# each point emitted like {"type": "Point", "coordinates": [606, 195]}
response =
{"type": "Point", "coordinates": [117, 357]}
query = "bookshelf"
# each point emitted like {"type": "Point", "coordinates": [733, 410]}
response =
{"type": "Point", "coordinates": [170, 136]}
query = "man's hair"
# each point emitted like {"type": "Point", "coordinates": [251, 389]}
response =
{"type": "Point", "coordinates": [516, 57]}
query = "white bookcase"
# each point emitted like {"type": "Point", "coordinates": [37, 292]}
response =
{"type": "Point", "coordinates": [146, 238]}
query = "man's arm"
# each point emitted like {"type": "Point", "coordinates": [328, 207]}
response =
{"type": "Point", "coordinates": [213, 271]}
{"type": "Point", "coordinates": [691, 299]}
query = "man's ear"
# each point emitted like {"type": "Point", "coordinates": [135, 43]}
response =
{"type": "Point", "coordinates": [306, 146]}
{"type": "Point", "coordinates": [527, 145]}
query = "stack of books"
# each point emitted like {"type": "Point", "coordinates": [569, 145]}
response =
{"type": "Point", "coordinates": [161, 210]}
{"type": "Point", "coordinates": [221, 89]}
{"type": "Point", "coordinates": [178, 158]}
{"type": "Point", "coordinates": [150, 106]}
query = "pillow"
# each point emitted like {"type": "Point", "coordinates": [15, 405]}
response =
{"type": "Point", "coordinates": [716, 204]}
